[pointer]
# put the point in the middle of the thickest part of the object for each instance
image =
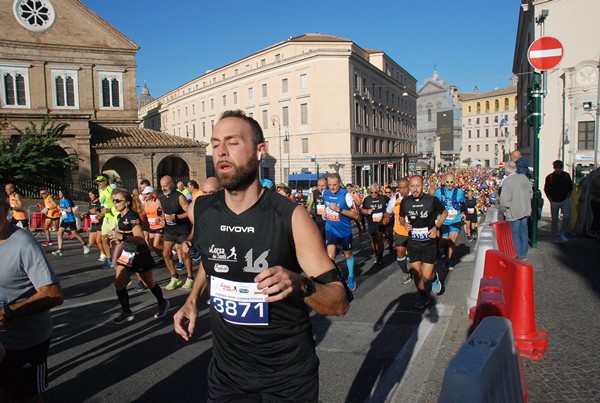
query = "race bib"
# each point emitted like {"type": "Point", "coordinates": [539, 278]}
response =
{"type": "Point", "coordinates": [239, 303]}
{"type": "Point", "coordinates": [332, 215]}
{"type": "Point", "coordinates": [470, 210]}
{"type": "Point", "coordinates": [420, 234]}
{"type": "Point", "coordinates": [320, 209]}
{"type": "Point", "coordinates": [153, 220]}
{"type": "Point", "coordinates": [63, 214]}
{"type": "Point", "coordinates": [452, 213]}
{"type": "Point", "coordinates": [126, 258]}
{"type": "Point", "coordinates": [377, 217]}
{"type": "Point", "coordinates": [94, 219]}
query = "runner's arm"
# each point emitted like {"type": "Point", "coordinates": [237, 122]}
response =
{"type": "Point", "coordinates": [189, 311]}
{"type": "Point", "coordinates": [183, 202]}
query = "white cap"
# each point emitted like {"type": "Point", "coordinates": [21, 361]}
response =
{"type": "Point", "coordinates": [148, 189]}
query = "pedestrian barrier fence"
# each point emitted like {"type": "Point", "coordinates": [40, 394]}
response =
{"type": "Point", "coordinates": [490, 301]}
{"type": "Point", "coordinates": [517, 285]}
{"type": "Point", "coordinates": [487, 368]}
{"type": "Point", "coordinates": [506, 244]}
{"type": "Point", "coordinates": [493, 214]}
{"type": "Point", "coordinates": [485, 242]}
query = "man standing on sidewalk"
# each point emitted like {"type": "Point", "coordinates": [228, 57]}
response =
{"type": "Point", "coordinates": [558, 187]}
{"type": "Point", "coordinates": [515, 203]}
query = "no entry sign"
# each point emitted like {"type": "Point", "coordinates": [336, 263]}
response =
{"type": "Point", "coordinates": [390, 165]}
{"type": "Point", "coordinates": [545, 53]}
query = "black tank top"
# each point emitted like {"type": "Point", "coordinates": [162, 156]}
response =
{"type": "Point", "coordinates": [170, 205]}
{"type": "Point", "coordinates": [236, 248]}
{"type": "Point", "coordinates": [318, 206]}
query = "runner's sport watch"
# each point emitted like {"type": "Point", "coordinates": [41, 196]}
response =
{"type": "Point", "coordinates": [309, 286]}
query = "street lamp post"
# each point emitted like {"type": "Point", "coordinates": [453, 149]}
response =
{"type": "Point", "coordinates": [275, 120]}
{"type": "Point", "coordinates": [289, 149]}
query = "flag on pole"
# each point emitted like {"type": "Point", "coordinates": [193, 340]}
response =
{"type": "Point", "coordinates": [502, 122]}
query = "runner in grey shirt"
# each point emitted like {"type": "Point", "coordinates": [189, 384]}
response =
{"type": "Point", "coordinates": [29, 289]}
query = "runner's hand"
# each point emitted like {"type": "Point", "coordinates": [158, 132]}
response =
{"type": "Point", "coordinates": [278, 283]}
{"type": "Point", "coordinates": [188, 312]}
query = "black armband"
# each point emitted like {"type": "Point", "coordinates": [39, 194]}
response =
{"type": "Point", "coordinates": [329, 277]}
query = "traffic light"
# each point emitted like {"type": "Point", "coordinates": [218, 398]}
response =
{"type": "Point", "coordinates": [534, 102]}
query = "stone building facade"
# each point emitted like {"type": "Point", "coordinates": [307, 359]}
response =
{"type": "Point", "coordinates": [59, 59]}
{"type": "Point", "coordinates": [324, 103]}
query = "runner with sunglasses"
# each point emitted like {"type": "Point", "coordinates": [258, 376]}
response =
{"type": "Point", "coordinates": [453, 200]}
{"type": "Point", "coordinates": [135, 258]}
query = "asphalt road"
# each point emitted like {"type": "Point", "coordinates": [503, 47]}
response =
{"type": "Point", "coordinates": [382, 350]}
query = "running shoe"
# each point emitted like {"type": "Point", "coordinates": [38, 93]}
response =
{"type": "Point", "coordinates": [162, 309]}
{"type": "Point", "coordinates": [175, 282]}
{"type": "Point", "coordinates": [57, 253]}
{"type": "Point", "coordinates": [469, 238]}
{"type": "Point", "coordinates": [563, 237]}
{"type": "Point", "coordinates": [102, 258]}
{"type": "Point", "coordinates": [436, 286]}
{"type": "Point", "coordinates": [180, 266]}
{"type": "Point", "coordinates": [86, 249]}
{"type": "Point", "coordinates": [197, 256]}
{"type": "Point", "coordinates": [47, 243]}
{"type": "Point", "coordinates": [351, 284]}
{"type": "Point", "coordinates": [422, 302]}
{"type": "Point", "coordinates": [123, 317]}
{"type": "Point", "coordinates": [107, 263]}
{"type": "Point", "coordinates": [405, 278]}
{"type": "Point", "coordinates": [189, 283]}
{"type": "Point", "coordinates": [140, 287]}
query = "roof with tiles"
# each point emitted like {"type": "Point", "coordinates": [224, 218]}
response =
{"type": "Point", "coordinates": [316, 37]}
{"type": "Point", "coordinates": [136, 137]}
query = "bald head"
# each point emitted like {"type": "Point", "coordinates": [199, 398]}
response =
{"type": "Point", "coordinates": [515, 155]}
{"type": "Point", "coordinates": [210, 185]}
{"type": "Point", "coordinates": [166, 185]}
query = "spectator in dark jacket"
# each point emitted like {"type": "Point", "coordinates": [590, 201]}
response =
{"type": "Point", "coordinates": [558, 187]}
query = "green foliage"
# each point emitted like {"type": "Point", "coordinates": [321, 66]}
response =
{"type": "Point", "coordinates": [34, 155]}
{"type": "Point", "coordinates": [467, 161]}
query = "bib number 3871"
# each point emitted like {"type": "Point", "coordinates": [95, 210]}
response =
{"type": "Point", "coordinates": [239, 303]}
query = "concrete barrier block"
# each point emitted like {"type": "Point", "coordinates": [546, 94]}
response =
{"type": "Point", "coordinates": [487, 368]}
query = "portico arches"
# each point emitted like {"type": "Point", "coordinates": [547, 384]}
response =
{"type": "Point", "coordinates": [175, 167]}
{"type": "Point", "coordinates": [121, 171]}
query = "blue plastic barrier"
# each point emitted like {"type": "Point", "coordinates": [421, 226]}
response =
{"type": "Point", "coordinates": [487, 368]}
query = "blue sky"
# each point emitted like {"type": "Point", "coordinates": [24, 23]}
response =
{"type": "Point", "coordinates": [470, 42]}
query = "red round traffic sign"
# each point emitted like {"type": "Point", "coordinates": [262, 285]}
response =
{"type": "Point", "coordinates": [501, 165]}
{"type": "Point", "coordinates": [545, 53]}
{"type": "Point", "coordinates": [390, 165]}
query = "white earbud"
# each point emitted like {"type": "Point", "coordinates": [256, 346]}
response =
{"type": "Point", "coordinates": [259, 155]}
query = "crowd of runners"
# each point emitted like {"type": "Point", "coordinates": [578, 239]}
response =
{"type": "Point", "coordinates": [122, 224]}
{"type": "Point", "coordinates": [264, 258]}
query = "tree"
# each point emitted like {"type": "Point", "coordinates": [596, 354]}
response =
{"type": "Point", "coordinates": [34, 156]}
{"type": "Point", "coordinates": [467, 161]}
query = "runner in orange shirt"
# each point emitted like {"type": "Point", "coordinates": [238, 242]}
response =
{"type": "Point", "coordinates": [17, 207]}
{"type": "Point", "coordinates": [52, 214]}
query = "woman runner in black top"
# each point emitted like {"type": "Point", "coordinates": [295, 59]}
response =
{"type": "Point", "coordinates": [135, 256]}
{"type": "Point", "coordinates": [94, 232]}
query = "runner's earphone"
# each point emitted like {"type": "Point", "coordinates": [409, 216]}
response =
{"type": "Point", "coordinates": [259, 155]}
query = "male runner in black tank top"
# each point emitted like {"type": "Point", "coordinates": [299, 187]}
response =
{"type": "Point", "coordinates": [174, 207]}
{"type": "Point", "coordinates": [425, 215]}
{"type": "Point", "coordinates": [254, 245]}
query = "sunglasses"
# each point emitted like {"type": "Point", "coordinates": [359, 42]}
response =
{"type": "Point", "coordinates": [449, 181]}
{"type": "Point", "coordinates": [388, 193]}
{"type": "Point", "coordinates": [374, 193]}
{"type": "Point", "coordinates": [118, 200]}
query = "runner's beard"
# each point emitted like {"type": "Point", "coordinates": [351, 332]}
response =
{"type": "Point", "coordinates": [241, 177]}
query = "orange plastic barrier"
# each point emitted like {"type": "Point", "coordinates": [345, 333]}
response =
{"type": "Point", "coordinates": [506, 244]}
{"type": "Point", "coordinates": [87, 223]}
{"type": "Point", "coordinates": [490, 301]}
{"type": "Point", "coordinates": [36, 221]}
{"type": "Point", "coordinates": [517, 287]}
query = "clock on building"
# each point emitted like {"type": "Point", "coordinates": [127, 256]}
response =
{"type": "Point", "coordinates": [586, 75]}
{"type": "Point", "coordinates": [35, 15]}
